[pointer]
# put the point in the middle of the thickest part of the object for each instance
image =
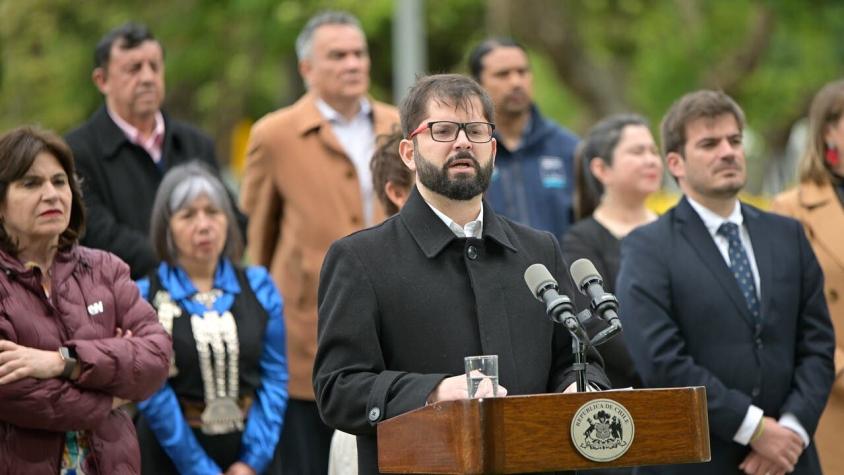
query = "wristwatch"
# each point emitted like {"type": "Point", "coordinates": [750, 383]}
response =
{"type": "Point", "coordinates": [69, 357]}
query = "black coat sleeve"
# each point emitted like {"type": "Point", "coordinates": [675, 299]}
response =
{"type": "Point", "coordinates": [354, 390]}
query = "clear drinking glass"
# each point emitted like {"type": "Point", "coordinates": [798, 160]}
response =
{"type": "Point", "coordinates": [481, 375]}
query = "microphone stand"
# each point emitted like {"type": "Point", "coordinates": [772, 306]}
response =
{"type": "Point", "coordinates": [578, 346]}
{"type": "Point", "coordinates": [578, 349]}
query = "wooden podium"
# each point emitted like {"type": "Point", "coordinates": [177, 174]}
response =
{"type": "Point", "coordinates": [532, 433]}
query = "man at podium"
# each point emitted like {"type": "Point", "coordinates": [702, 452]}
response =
{"type": "Point", "coordinates": [401, 304]}
{"type": "Point", "coordinates": [720, 294]}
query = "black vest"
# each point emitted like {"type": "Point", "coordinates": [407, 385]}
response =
{"type": "Point", "coordinates": [251, 319]}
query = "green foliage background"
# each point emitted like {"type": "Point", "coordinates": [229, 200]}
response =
{"type": "Point", "coordinates": [229, 61]}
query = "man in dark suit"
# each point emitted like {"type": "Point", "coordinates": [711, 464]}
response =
{"type": "Point", "coordinates": [401, 304]}
{"type": "Point", "coordinates": [124, 149]}
{"type": "Point", "coordinates": [717, 293]}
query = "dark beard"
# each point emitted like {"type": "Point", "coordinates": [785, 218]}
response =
{"type": "Point", "coordinates": [464, 187]}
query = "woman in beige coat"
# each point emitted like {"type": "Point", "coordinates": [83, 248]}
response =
{"type": "Point", "coordinates": [818, 203]}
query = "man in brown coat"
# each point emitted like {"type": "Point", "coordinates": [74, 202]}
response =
{"type": "Point", "coordinates": [308, 183]}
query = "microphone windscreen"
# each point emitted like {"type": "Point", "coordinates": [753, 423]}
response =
{"type": "Point", "coordinates": [537, 277]}
{"type": "Point", "coordinates": [582, 270]}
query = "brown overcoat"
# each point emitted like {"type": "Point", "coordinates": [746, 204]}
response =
{"type": "Point", "coordinates": [820, 211]}
{"type": "Point", "coordinates": [301, 193]}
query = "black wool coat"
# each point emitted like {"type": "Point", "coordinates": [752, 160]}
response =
{"type": "Point", "coordinates": [401, 305]}
{"type": "Point", "coordinates": [120, 180]}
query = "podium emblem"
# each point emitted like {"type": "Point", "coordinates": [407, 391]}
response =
{"type": "Point", "coordinates": [602, 430]}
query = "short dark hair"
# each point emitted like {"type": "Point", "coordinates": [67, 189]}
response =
{"type": "Point", "coordinates": [180, 186]}
{"type": "Point", "coordinates": [19, 148]}
{"type": "Point", "coordinates": [127, 36]}
{"type": "Point", "coordinates": [476, 56]}
{"type": "Point", "coordinates": [695, 105]}
{"type": "Point", "coordinates": [387, 167]}
{"type": "Point", "coordinates": [449, 89]}
{"type": "Point", "coordinates": [600, 142]}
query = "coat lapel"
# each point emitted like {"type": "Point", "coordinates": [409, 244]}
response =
{"type": "Point", "coordinates": [311, 121]}
{"type": "Point", "coordinates": [429, 232]}
{"type": "Point", "coordinates": [695, 232]}
{"type": "Point", "coordinates": [823, 216]}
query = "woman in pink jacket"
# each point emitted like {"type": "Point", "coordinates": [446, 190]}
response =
{"type": "Point", "coordinates": [76, 341]}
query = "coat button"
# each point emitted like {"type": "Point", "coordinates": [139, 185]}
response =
{"type": "Point", "coordinates": [374, 414]}
{"type": "Point", "coordinates": [472, 252]}
{"type": "Point", "coordinates": [759, 343]}
{"type": "Point", "coordinates": [833, 295]}
{"type": "Point", "coordinates": [755, 392]}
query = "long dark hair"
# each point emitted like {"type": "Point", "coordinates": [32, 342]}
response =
{"type": "Point", "coordinates": [600, 142]}
{"type": "Point", "coordinates": [19, 148]}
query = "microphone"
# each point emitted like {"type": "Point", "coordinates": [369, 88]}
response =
{"type": "Point", "coordinates": [604, 304]}
{"type": "Point", "coordinates": [558, 306]}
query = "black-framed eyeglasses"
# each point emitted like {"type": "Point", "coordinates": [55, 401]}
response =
{"type": "Point", "coordinates": [447, 131]}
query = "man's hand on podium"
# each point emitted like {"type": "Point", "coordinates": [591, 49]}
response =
{"type": "Point", "coordinates": [456, 387]}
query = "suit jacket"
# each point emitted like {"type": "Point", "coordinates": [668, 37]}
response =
{"type": "Point", "coordinates": [820, 212]}
{"type": "Point", "coordinates": [301, 192]}
{"type": "Point", "coordinates": [120, 179]}
{"type": "Point", "coordinates": [687, 324]}
{"type": "Point", "coordinates": [401, 305]}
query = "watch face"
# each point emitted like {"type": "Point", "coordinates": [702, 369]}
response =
{"type": "Point", "coordinates": [66, 354]}
{"type": "Point", "coordinates": [69, 361]}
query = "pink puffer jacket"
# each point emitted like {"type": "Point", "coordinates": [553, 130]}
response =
{"type": "Point", "coordinates": [92, 296]}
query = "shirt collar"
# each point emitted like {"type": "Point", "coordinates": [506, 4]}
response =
{"type": "Point", "coordinates": [330, 114]}
{"type": "Point", "coordinates": [133, 134]}
{"type": "Point", "coordinates": [180, 286]}
{"type": "Point", "coordinates": [474, 228]}
{"type": "Point", "coordinates": [713, 221]}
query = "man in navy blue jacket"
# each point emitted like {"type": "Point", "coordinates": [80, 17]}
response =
{"type": "Point", "coordinates": [720, 294]}
{"type": "Point", "coordinates": [533, 181]}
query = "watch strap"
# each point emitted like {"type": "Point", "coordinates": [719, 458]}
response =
{"type": "Point", "coordinates": [70, 361]}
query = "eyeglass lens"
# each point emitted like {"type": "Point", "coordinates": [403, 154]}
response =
{"type": "Point", "coordinates": [444, 131]}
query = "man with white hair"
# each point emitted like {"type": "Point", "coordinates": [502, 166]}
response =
{"type": "Point", "coordinates": [308, 183]}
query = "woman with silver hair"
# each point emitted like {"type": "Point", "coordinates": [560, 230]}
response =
{"type": "Point", "coordinates": [221, 410]}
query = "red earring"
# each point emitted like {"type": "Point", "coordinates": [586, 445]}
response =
{"type": "Point", "coordinates": [832, 158]}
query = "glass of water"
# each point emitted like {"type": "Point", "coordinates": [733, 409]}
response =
{"type": "Point", "coordinates": [481, 375]}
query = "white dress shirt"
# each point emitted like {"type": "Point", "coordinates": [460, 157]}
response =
{"type": "Point", "coordinates": [357, 137]}
{"type": "Point", "coordinates": [474, 228]}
